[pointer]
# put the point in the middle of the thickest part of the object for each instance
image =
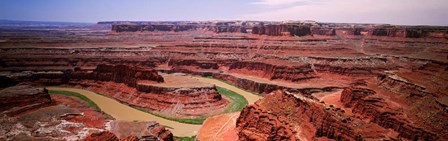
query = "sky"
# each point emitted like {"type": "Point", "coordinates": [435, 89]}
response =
{"type": "Point", "coordinates": [402, 12]}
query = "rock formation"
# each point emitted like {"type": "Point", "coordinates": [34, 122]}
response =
{"type": "Point", "coordinates": [102, 136]}
{"type": "Point", "coordinates": [271, 71]}
{"type": "Point", "coordinates": [382, 112]}
{"type": "Point", "coordinates": [154, 131]}
{"type": "Point", "coordinates": [282, 29]}
{"type": "Point", "coordinates": [22, 97]}
{"type": "Point", "coordinates": [337, 74]}
{"type": "Point", "coordinates": [286, 116]}
{"type": "Point", "coordinates": [125, 74]}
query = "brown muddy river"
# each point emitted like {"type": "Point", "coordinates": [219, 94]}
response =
{"type": "Point", "coordinates": [124, 112]}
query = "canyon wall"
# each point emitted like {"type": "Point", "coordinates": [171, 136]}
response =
{"type": "Point", "coordinates": [272, 72]}
{"type": "Point", "coordinates": [125, 74]}
{"type": "Point", "coordinates": [20, 98]}
{"type": "Point", "coordinates": [282, 29]}
{"type": "Point", "coordinates": [149, 28]}
{"type": "Point", "coordinates": [198, 64]}
{"type": "Point", "coordinates": [382, 112]}
{"type": "Point", "coordinates": [410, 32]}
{"type": "Point", "coordinates": [139, 86]}
{"type": "Point", "coordinates": [287, 28]}
{"type": "Point", "coordinates": [282, 115]}
{"type": "Point", "coordinates": [153, 131]}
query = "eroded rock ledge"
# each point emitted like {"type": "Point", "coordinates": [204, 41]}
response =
{"type": "Point", "coordinates": [142, 87]}
{"type": "Point", "coordinates": [283, 115]}
{"type": "Point", "coordinates": [20, 98]}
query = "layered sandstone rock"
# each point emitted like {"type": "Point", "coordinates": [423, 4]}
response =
{"type": "Point", "coordinates": [160, 132]}
{"type": "Point", "coordinates": [282, 29]}
{"type": "Point", "coordinates": [196, 64]}
{"type": "Point", "coordinates": [325, 31]}
{"type": "Point", "coordinates": [410, 31]}
{"type": "Point", "coordinates": [102, 136]}
{"type": "Point", "coordinates": [125, 74]}
{"type": "Point", "coordinates": [271, 71]}
{"type": "Point", "coordinates": [382, 112]}
{"type": "Point", "coordinates": [264, 87]}
{"type": "Point", "coordinates": [133, 131]}
{"type": "Point", "coordinates": [143, 87]}
{"type": "Point", "coordinates": [160, 27]}
{"type": "Point", "coordinates": [178, 96]}
{"type": "Point", "coordinates": [173, 102]}
{"type": "Point", "coordinates": [282, 115]}
{"type": "Point", "coordinates": [22, 97]}
{"type": "Point", "coordinates": [352, 95]}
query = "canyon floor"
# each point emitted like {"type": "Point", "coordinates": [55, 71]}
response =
{"type": "Point", "coordinates": [224, 80]}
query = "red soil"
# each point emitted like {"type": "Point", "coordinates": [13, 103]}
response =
{"type": "Point", "coordinates": [91, 117]}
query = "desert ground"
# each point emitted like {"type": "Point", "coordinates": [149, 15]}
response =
{"type": "Point", "coordinates": [224, 80]}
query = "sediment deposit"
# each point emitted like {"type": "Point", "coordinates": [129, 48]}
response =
{"type": "Point", "coordinates": [337, 81]}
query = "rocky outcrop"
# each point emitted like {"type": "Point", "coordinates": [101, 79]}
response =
{"type": "Point", "coordinates": [174, 102]}
{"type": "Point", "coordinates": [130, 138]}
{"type": "Point", "coordinates": [20, 98]}
{"type": "Point", "coordinates": [177, 27]}
{"type": "Point", "coordinates": [261, 88]}
{"type": "Point", "coordinates": [399, 85]}
{"type": "Point", "coordinates": [160, 27]}
{"type": "Point", "coordinates": [352, 31]}
{"type": "Point", "coordinates": [125, 74]}
{"type": "Point", "coordinates": [102, 136]}
{"type": "Point", "coordinates": [160, 132]}
{"type": "Point", "coordinates": [325, 31]}
{"type": "Point", "coordinates": [142, 87]}
{"type": "Point", "coordinates": [378, 111]}
{"type": "Point", "coordinates": [264, 88]}
{"type": "Point", "coordinates": [128, 74]}
{"type": "Point", "coordinates": [386, 31]}
{"type": "Point", "coordinates": [236, 29]}
{"type": "Point", "coordinates": [352, 95]}
{"type": "Point", "coordinates": [271, 71]}
{"type": "Point", "coordinates": [198, 64]}
{"type": "Point", "coordinates": [282, 115]}
{"type": "Point", "coordinates": [410, 31]}
{"type": "Point", "coordinates": [348, 70]}
{"type": "Point", "coordinates": [282, 30]}
{"type": "Point", "coordinates": [286, 29]}
{"type": "Point", "coordinates": [130, 131]}
{"type": "Point", "coordinates": [373, 109]}
{"type": "Point", "coordinates": [153, 132]}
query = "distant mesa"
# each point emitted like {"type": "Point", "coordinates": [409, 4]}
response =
{"type": "Point", "coordinates": [284, 28]}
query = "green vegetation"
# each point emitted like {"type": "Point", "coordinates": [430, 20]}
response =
{"type": "Point", "coordinates": [239, 102]}
{"type": "Point", "coordinates": [185, 138]}
{"type": "Point", "coordinates": [197, 121]}
{"type": "Point", "coordinates": [74, 94]}
{"type": "Point", "coordinates": [166, 126]}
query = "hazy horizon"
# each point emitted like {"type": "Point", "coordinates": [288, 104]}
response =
{"type": "Point", "coordinates": [398, 12]}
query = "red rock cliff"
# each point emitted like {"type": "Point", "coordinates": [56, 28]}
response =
{"type": "Point", "coordinates": [271, 71]}
{"type": "Point", "coordinates": [381, 112]}
{"type": "Point", "coordinates": [282, 115]}
{"type": "Point", "coordinates": [125, 74]}
{"type": "Point", "coordinates": [282, 29]}
{"type": "Point", "coordinates": [22, 97]}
